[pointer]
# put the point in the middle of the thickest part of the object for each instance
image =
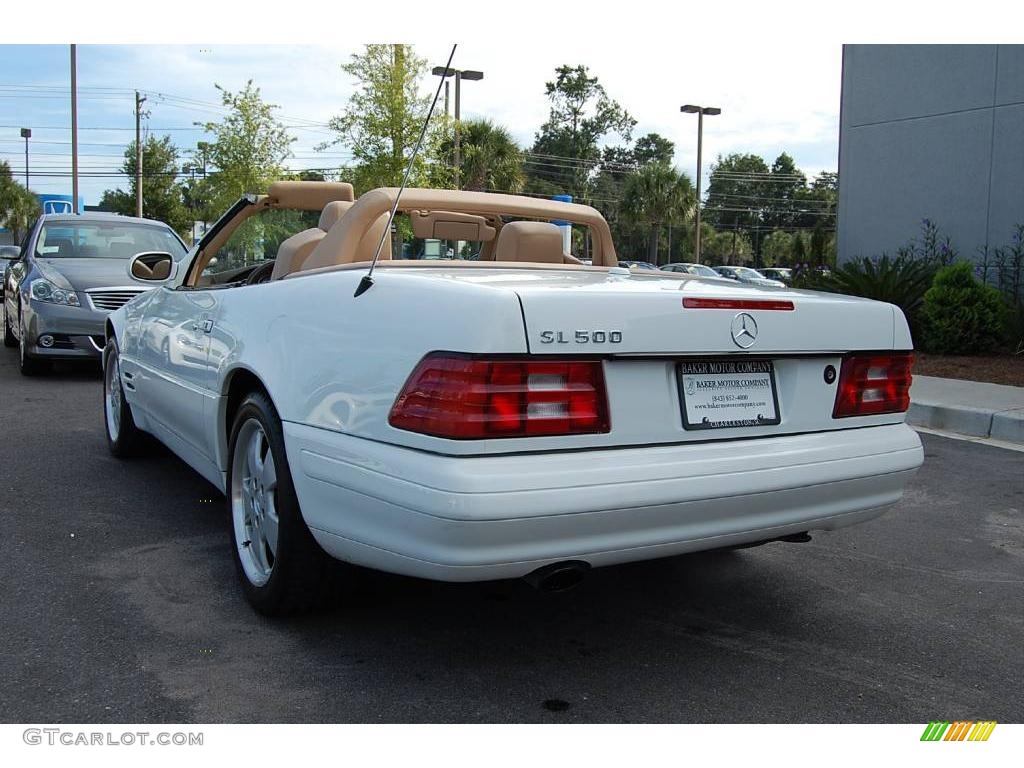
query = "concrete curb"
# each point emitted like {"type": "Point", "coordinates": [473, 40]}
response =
{"type": "Point", "coordinates": [975, 409]}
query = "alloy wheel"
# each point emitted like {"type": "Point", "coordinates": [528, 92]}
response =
{"type": "Point", "coordinates": [254, 502]}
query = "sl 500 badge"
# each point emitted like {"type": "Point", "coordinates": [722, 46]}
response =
{"type": "Point", "coordinates": [581, 337]}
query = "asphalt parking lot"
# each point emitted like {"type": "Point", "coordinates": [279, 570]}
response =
{"type": "Point", "coordinates": [119, 603]}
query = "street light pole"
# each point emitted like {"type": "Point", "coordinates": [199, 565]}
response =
{"type": "Point", "coordinates": [459, 75]}
{"type": "Point", "coordinates": [701, 111]}
{"type": "Point", "coordinates": [26, 134]}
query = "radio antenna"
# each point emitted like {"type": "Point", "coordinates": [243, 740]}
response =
{"type": "Point", "coordinates": [367, 281]}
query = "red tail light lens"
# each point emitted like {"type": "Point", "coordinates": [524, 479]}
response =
{"type": "Point", "coordinates": [875, 383]}
{"type": "Point", "coordinates": [469, 398]}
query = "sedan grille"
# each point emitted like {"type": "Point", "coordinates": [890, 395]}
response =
{"type": "Point", "coordinates": [109, 299]}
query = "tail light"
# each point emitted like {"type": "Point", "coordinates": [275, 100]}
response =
{"type": "Point", "coordinates": [874, 383]}
{"type": "Point", "coordinates": [469, 398]}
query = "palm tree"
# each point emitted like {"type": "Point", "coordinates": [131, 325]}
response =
{"type": "Point", "coordinates": [491, 160]}
{"type": "Point", "coordinates": [657, 195]}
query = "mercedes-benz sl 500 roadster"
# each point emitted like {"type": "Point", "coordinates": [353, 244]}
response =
{"type": "Point", "coordinates": [510, 412]}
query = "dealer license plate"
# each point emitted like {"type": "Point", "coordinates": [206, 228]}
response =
{"type": "Point", "coordinates": [724, 394]}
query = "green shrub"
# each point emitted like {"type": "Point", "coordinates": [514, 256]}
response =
{"type": "Point", "coordinates": [902, 281]}
{"type": "Point", "coordinates": [961, 316]}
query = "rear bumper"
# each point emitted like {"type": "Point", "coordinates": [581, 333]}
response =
{"type": "Point", "coordinates": [480, 518]}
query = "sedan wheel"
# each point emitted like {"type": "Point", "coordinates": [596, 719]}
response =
{"type": "Point", "coordinates": [30, 366]}
{"type": "Point", "coordinates": [281, 567]}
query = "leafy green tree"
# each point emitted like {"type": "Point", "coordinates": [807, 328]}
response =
{"type": "Point", "coordinates": [657, 195]}
{"type": "Point", "coordinates": [567, 145]}
{"type": "Point", "coordinates": [782, 193]}
{"type": "Point", "coordinates": [725, 247]}
{"type": "Point", "coordinates": [18, 206]}
{"type": "Point", "coordinates": [653, 148]}
{"type": "Point", "coordinates": [249, 148]}
{"type": "Point", "coordinates": [798, 249]}
{"type": "Point", "coordinates": [777, 248]}
{"type": "Point", "coordinates": [491, 159]}
{"type": "Point", "coordinates": [161, 192]}
{"type": "Point", "coordinates": [736, 189]}
{"type": "Point", "coordinates": [608, 188]}
{"type": "Point", "coordinates": [383, 118]}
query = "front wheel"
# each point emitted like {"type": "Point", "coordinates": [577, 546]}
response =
{"type": "Point", "coordinates": [123, 438]}
{"type": "Point", "coordinates": [281, 567]}
{"type": "Point", "coordinates": [28, 365]}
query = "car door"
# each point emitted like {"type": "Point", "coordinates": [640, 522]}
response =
{"type": "Point", "coordinates": [174, 382]}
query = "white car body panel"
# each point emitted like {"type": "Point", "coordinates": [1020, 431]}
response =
{"type": "Point", "coordinates": [480, 509]}
{"type": "Point", "coordinates": [478, 518]}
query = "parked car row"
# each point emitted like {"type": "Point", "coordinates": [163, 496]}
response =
{"type": "Point", "coordinates": [778, 277]}
{"type": "Point", "coordinates": [70, 274]}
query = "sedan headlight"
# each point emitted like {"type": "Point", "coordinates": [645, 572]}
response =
{"type": "Point", "coordinates": [44, 290]}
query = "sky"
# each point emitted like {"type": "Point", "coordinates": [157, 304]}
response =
{"type": "Point", "coordinates": [773, 98]}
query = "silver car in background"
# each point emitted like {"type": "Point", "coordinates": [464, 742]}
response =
{"type": "Point", "coordinates": [747, 275]}
{"type": "Point", "coordinates": [73, 271]}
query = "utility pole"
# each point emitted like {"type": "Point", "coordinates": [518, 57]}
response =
{"type": "Point", "coordinates": [138, 153]}
{"type": "Point", "coordinates": [26, 134]}
{"type": "Point", "coordinates": [74, 131]}
{"type": "Point", "coordinates": [701, 111]}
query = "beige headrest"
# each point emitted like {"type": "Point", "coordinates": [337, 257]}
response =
{"type": "Point", "coordinates": [537, 241]}
{"type": "Point", "coordinates": [293, 252]}
{"type": "Point", "coordinates": [323, 256]}
{"type": "Point", "coordinates": [448, 225]}
{"type": "Point", "coordinates": [332, 212]}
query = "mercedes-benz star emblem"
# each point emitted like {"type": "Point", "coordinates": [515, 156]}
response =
{"type": "Point", "coordinates": [744, 330]}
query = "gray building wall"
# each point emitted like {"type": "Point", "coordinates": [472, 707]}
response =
{"type": "Point", "coordinates": [930, 131]}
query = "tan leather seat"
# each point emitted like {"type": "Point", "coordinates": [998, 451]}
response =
{"type": "Point", "coordinates": [536, 241]}
{"type": "Point", "coordinates": [293, 252]}
{"type": "Point", "coordinates": [364, 252]}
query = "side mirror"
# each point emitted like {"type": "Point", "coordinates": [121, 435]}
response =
{"type": "Point", "coordinates": [152, 266]}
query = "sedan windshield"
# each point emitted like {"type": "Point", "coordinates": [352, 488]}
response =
{"type": "Point", "coordinates": [105, 240]}
{"type": "Point", "coordinates": [700, 269]}
{"type": "Point", "coordinates": [750, 274]}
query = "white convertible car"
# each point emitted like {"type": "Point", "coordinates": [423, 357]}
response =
{"type": "Point", "coordinates": [513, 414]}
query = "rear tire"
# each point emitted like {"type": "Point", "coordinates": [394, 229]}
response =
{"type": "Point", "coordinates": [281, 568]}
{"type": "Point", "coordinates": [124, 439]}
